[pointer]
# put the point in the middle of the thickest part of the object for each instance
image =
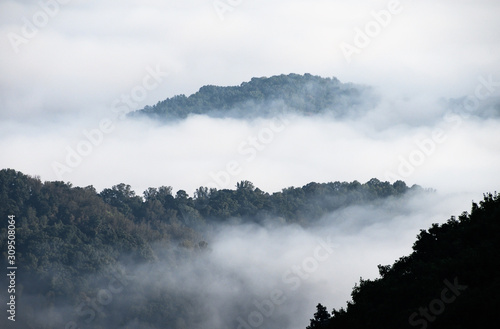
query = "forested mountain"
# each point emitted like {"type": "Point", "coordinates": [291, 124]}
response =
{"type": "Point", "coordinates": [304, 94]}
{"type": "Point", "coordinates": [450, 280]}
{"type": "Point", "coordinates": [71, 240]}
{"type": "Point", "coordinates": [487, 108]}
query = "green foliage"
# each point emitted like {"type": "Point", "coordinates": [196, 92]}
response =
{"type": "Point", "coordinates": [66, 236]}
{"type": "Point", "coordinates": [465, 250]}
{"type": "Point", "coordinates": [69, 238]}
{"type": "Point", "coordinates": [305, 94]}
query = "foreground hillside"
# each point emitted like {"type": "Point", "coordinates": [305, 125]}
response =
{"type": "Point", "coordinates": [73, 243]}
{"type": "Point", "coordinates": [451, 280]}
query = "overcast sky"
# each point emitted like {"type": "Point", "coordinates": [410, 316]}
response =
{"type": "Point", "coordinates": [64, 66]}
{"type": "Point", "coordinates": [90, 52]}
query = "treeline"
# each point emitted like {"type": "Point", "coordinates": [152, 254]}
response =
{"type": "Point", "coordinates": [450, 280]}
{"type": "Point", "coordinates": [70, 240]}
{"type": "Point", "coordinates": [70, 244]}
{"type": "Point", "coordinates": [59, 203]}
{"type": "Point", "coordinates": [304, 94]}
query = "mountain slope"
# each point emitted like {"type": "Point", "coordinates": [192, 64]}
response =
{"type": "Point", "coordinates": [71, 242]}
{"type": "Point", "coordinates": [451, 280]}
{"type": "Point", "coordinates": [304, 94]}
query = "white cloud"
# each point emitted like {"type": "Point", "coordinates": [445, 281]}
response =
{"type": "Point", "coordinates": [87, 53]}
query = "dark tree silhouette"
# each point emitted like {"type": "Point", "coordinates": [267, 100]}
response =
{"type": "Point", "coordinates": [320, 318]}
{"type": "Point", "coordinates": [459, 256]}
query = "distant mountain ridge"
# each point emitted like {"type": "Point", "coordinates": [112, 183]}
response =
{"type": "Point", "coordinates": [260, 97]}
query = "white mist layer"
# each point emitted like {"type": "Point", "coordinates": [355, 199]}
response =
{"type": "Point", "coordinates": [449, 155]}
{"type": "Point", "coordinates": [274, 275]}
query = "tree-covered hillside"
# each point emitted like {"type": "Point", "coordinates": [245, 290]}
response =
{"type": "Point", "coordinates": [450, 280]}
{"type": "Point", "coordinates": [71, 240]}
{"type": "Point", "coordinates": [305, 94]}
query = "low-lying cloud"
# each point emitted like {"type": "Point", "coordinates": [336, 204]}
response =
{"type": "Point", "coordinates": [270, 275]}
{"type": "Point", "coordinates": [444, 150]}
